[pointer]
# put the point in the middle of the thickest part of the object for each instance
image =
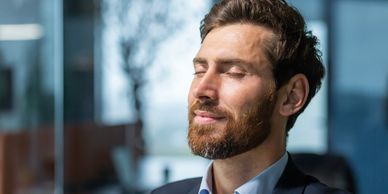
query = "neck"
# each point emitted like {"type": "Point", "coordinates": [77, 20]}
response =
{"type": "Point", "coordinates": [230, 173]}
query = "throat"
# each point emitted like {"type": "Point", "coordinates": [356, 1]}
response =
{"type": "Point", "coordinates": [227, 177]}
{"type": "Point", "coordinates": [231, 173]}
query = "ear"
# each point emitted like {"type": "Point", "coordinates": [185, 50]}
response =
{"type": "Point", "coordinates": [294, 95]}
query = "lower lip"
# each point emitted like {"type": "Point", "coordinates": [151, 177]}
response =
{"type": "Point", "coordinates": [205, 120]}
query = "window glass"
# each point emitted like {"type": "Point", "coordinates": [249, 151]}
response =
{"type": "Point", "coordinates": [27, 159]}
{"type": "Point", "coordinates": [359, 119]}
{"type": "Point", "coordinates": [310, 131]}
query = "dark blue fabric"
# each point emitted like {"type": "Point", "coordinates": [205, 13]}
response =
{"type": "Point", "coordinates": [204, 191]}
{"type": "Point", "coordinates": [292, 181]}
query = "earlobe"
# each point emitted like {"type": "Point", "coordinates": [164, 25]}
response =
{"type": "Point", "coordinates": [295, 95]}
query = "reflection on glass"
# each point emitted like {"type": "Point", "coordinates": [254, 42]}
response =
{"type": "Point", "coordinates": [27, 96]}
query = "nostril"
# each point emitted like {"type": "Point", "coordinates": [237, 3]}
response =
{"type": "Point", "coordinates": [206, 94]}
{"type": "Point", "coordinates": [205, 100]}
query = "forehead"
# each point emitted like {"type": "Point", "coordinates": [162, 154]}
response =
{"type": "Point", "coordinates": [238, 41]}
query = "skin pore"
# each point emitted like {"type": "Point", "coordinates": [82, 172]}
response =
{"type": "Point", "coordinates": [232, 75]}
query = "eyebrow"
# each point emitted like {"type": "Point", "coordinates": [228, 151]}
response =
{"type": "Point", "coordinates": [236, 61]}
{"type": "Point", "coordinates": [199, 60]}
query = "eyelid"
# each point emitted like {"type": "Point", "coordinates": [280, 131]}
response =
{"type": "Point", "coordinates": [235, 72]}
{"type": "Point", "coordinates": [236, 75]}
{"type": "Point", "coordinates": [236, 69]}
{"type": "Point", "coordinates": [199, 72]}
{"type": "Point", "coordinates": [199, 69]}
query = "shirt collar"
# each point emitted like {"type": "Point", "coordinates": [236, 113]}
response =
{"type": "Point", "coordinates": [207, 181]}
{"type": "Point", "coordinates": [264, 182]}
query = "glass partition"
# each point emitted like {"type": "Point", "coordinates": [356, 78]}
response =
{"type": "Point", "coordinates": [93, 93]}
{"type": "Point", "coordinates": [27, 50]}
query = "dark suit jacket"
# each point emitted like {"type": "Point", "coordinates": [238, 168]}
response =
{"type": "Point", "coordinates": [292, 181]}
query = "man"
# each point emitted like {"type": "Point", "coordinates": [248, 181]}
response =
{"type": "Point", "coordinates": [256, 71]}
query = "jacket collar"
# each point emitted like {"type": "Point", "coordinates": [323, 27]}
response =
{"type": "Point", "coordinates": [195, 188]}
{"type": "Point", "coordinates": [292, 181]}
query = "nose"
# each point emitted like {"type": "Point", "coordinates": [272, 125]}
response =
{"type": "Point", "coordinates": [205, 88]}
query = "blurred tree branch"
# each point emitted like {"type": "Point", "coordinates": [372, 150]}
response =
{"type": "Point", "coordinates": [142, 27]}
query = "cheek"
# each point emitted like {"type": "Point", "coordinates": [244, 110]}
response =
{"type": "Point", "coordinates": [241, 96]}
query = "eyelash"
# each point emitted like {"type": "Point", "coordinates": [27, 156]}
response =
{"type": "Point", "coordinates": [230, 74]}
{"type": "Point", "coordinates": [235, 75]}
{"type": "Point", "coordinates": [198, 73]}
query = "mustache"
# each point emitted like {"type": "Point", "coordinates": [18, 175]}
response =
{"type": "Point", "coordinates": [209, 107]}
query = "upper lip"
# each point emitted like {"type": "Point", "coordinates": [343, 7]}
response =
{"type": "Point", "coordinates": [202, 113]}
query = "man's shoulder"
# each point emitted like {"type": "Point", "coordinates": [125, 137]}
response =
{"type": "Point", "coordinates": [307, 185]}
{"type": "Point", "coordinates": [294, 180]}
{"type": "Point", "coordinates": [316, 187]}
{"type": "Point", "coordinates": [182, 187]}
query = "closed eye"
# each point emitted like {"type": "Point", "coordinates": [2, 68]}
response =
{"type": "Point", "coordinates": [200, 69]}
{"type": "Point", "coordinates": [199, 73]}
{"type": "Point", "coordinates": [238, 75]}
{"type": "Point", "coordinates": [234, 71]}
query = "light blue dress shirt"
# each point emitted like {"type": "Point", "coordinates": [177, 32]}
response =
{"type": "Point", "coordinates": [263, 183]}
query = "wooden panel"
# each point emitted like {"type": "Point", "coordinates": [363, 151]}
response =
{"type": "Point", "coordinates": [27, 158]}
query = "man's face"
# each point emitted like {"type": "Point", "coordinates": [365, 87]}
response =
{"type": "Point", "coordinates": [232, 95]}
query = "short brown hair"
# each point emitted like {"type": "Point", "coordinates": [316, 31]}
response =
{"type": "Point", "coordinates": [293, 49]}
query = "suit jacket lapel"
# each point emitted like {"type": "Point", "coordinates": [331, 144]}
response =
{"type": "Point", "coordinates": [292, 181]}
{"type": "Point", "coordinates": [195, 188]}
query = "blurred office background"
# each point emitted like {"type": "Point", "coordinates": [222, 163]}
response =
{"type": "Point", "coordinates": [93, 94]}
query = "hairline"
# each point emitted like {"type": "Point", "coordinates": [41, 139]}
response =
{"type": "Point", "coordinates": [270, 46]}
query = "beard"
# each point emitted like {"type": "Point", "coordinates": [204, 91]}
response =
{"type": "Point", "coordinates": [250, 129]}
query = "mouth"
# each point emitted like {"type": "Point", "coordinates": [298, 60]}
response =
{"type": "Point", "coordinates": [205, 117]}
